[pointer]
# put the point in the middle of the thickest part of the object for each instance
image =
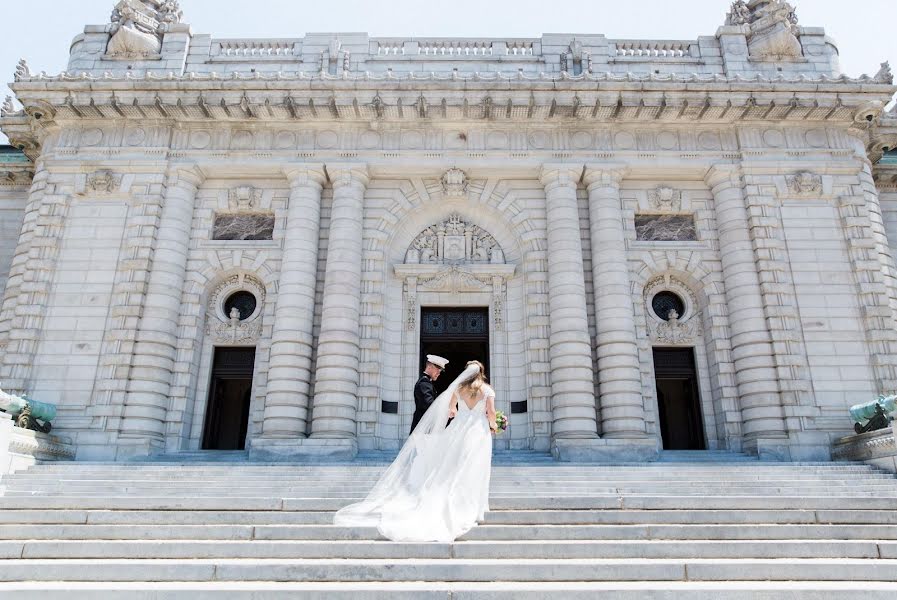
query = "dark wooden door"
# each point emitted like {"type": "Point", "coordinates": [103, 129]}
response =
{"type": "Point", "coordinates": [456, 334]}
{"type": "Point", "coordinates": [678, 403]}
{"type": "Point", "coordinates": [227, 412]}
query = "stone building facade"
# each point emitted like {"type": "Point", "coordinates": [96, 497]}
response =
{"type": "Point", "coordinates": [229, 243]}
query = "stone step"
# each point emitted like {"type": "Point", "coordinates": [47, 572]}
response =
{"type": "Point", "coordinates": [449, 570]}
{"type": "Point", "coordinates": [503, 532]}
{"type": "Point", "coordinates": [354, 491]}
{"type": "Point", "coordinates": [509, 517]}
{"type": "Point", "coordinates": [665, 590]}
{"type": "Point", "coordinates": [633, 502]}
{"type": "Point", "coordinates": [85, 466]}
{"type": "Point", "coordinates": [506, 479]}
{"type": "Point", "coordinates": [513, 549]}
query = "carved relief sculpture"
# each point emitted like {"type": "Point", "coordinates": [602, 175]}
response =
{"type": "Point", "coordinates": [772, 28]}
{"type": "Point", "coordinates": [138, 26]}
{"type": "Point", "coordinates": [673, 331]}
{"type": "Point", "coordinates": [805, 183]}
{"type": "Point", "coordinates": [234, 331]}
{"type": "Point", "coordinates": [244, 198]}
{"type": "Point", "coordinates": [454, 241]}
{"type": "Point", "coordinates": [665, 198]}
{"type": "Point", "coordinates": [22, 71]}
{"type": "Point", "coordinates": [884, 74]}
{"type": "Point", "coordinates": [8, 107]}
{"type": "Point", "coordinates": [454, 184]}
{"type": "Point", "coordinates": [575, 59]}
{"type": "Point", "coordinates": [103, 182]}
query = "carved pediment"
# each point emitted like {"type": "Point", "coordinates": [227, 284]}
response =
{"type": "Point", "coordinates": [454, 241]}
{"type": "Point", "coordinates": [456, 279]}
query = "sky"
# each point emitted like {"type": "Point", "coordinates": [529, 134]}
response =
{"type": "Point", "coordinates": [41, 30]}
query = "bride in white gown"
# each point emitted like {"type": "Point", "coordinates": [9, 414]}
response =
{"type": "Point", "coordinates": [437, 489]}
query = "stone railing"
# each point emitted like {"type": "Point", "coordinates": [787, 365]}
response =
{"type": "Point", "coordinates": [454, 47]}
{"type": "Point", "coordinates": [654, 50]}
{"type": "Point", "coordinates": [256, 49]}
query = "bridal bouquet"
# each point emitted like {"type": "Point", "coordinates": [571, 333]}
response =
{"type": "Point", "coordinates": [501, 422]}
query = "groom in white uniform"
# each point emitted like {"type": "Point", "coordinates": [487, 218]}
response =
{"type": "Point", "coordinates": [424, 390]}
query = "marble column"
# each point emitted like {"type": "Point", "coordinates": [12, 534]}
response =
{"type": "Point", "coordinates": [619, 375]}
{"type": "Point", "coordinates": [336, 375]}
{"type": "Point", "coordinates": [142, 429]}
{"type": "Point", "coordinates": [289, 368]}
{"type": "Point", "coordinates": [762, 414]}
{"type": "Point", "coordinates": [570, 350]}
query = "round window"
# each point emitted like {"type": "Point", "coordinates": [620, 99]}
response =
{"type": "Point", "coordinates": [666, 302]}
{"type": "Point", "coordinates": [244, 302]}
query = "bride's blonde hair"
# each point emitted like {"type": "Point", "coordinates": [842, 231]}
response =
{"type": "Point", "coordinates": [473, 385]}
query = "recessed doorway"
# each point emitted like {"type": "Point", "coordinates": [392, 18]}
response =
{"type": "Point", "coordinates": [456, 334]}
{"type": "Point", "coordinates": [678, 403]}
{"type": "Point", "coordinates": [230, 393]}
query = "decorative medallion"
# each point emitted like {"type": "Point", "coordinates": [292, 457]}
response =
{"type": "Point", "coordinates": [454, 184]}
{"type": "Point", "coordinates": [244, 198]}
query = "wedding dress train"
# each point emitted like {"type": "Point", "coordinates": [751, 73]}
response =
{"type": "Point", "coordinates": [437, 489]}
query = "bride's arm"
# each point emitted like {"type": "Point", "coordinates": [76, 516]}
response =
{"type": "Point", "coordinates": [490, 412]}
{"type": "Point", "coordinates": [453, 406]}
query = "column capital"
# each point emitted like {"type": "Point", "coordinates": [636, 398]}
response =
{"type": "Point", "coordinates": [186, 175]}
{"type": "Point", "coordinates": [560, 175]}
{"type": "Point", "coordinates": [348, 174]}
{"type": "Point", "coordinates": [605, 174]}
{"type": "Point", "coordinates": [723, 173]}
{"type": "Point", "coordinates": [305, 174]}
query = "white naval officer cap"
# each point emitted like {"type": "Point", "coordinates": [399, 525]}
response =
{"type": "Point", "coordinates": [437, 360]}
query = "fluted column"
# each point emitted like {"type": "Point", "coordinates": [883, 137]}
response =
{"type": "Point", "coordinates": [289, 367]}
{"type": "Point", "coordinates": [155, 349]}
{"type": "Point", "coordinates": [570, 351]}
{"type": "Point", "coordinates": [752, 350]}
{"type": "Point", "coordinates": [619, 376]}
{"type": "Point", "coordinates": [336, 382]}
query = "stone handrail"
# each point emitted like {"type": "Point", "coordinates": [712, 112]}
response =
{"type": "Point", "coordinates": [654, 49]}
{"type": "Point", "coordinates": [454, 47]}
{"type": "Point", "coordinates": [237, 48]}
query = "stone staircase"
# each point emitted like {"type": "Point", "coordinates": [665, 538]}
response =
{"type": "Point", "coordinates": [706, 527]}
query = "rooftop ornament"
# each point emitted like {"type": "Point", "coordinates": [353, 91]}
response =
{"type": "Point", "coordinates": [875, 414]}
{"type": "Point", "coordinates": [29, 414]}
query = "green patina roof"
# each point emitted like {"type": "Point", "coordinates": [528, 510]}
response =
{"type": "Point", "coordinates": [890, 158]}
{"type": "Point", "coordinates": [8, 155]}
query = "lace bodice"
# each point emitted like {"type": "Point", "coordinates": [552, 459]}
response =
{"type": "Point", "coordinates": [480, 406]}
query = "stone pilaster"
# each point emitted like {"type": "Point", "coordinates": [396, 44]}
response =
{"type": "Point", "coordinates": [143, 423]}
{"type": "Point", "coordinates": [15, 359]}
{"type": "Point", "coordinates": [336, 381]}
{"type": "Point", "coordinates": [619, 375]}
{"type": "Point", "coordinates": [289, 370]}
{"type": "Point", "coordinates": [570, 353]}
{"type": "Point", "coordinates": [873, 266]}
{"type": "Point", "coordinates": [752, 350]}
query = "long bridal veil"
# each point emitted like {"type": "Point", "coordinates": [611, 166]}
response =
{"type": "Point", "coordinates": [410, 494]}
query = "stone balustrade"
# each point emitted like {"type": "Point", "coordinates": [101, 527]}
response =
{"type": "Point", "coordinates": [255, 49]}
{"type": "Point", "coordinates": [654, 50]}
{"type": "Point", "coordinates": [474, 48]}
